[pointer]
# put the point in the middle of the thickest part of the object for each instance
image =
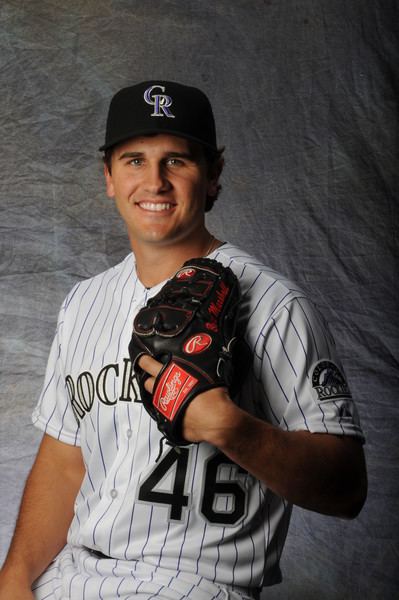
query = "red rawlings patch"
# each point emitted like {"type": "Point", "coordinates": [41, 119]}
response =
{"type": "Point", "coordinates": [186, 273]}
{"type": "Point", "coordinates": [197, 343]}
{"type": "Point", "coordinates": [172, 389]}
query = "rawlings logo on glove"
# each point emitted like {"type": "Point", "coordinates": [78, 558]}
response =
{"type": "Point", "coordinates": [189, 326]}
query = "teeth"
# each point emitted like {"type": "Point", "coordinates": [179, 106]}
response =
{"type": "Point", "coordinates": [155, 206]}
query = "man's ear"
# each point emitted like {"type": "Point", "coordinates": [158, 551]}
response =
{"type": "Point", "coordinates": [213, 183]}
{"type": "Point", "coordinates": [109, 184]}
{"type": "Point", "coordinates": [212, 187]}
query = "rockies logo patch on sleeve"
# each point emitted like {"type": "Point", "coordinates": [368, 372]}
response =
{"type": "Point", "coordinates": [329, 382]}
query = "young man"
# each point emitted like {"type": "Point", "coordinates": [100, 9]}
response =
{"type": "Point", "coordinates": [103, 516]}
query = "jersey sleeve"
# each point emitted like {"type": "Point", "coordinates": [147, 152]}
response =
{"type": "Point", "coordinates": [301, 377]}
{"type": "Point", "coordinates": [53, 413]}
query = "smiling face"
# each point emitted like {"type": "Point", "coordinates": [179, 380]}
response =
{"type": "Point", "coordinates": [160, 186]}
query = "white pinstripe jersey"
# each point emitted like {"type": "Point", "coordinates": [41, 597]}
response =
{"type": "Point", "coordinates": [191, 511]}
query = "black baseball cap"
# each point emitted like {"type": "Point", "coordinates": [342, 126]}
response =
{"type": "Point", "coordinates": [160, 107]}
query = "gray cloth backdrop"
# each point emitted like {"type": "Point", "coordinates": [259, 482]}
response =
{"type": "Point", "coordinates": [306, 100]}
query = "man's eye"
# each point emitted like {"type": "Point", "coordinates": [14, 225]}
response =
{"type": "Point", "coordinates": [136, 162]}
{"type": "Point", "coordinates": [174, 162]}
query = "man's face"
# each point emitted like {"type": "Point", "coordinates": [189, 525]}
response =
{"type": "Point", "coordinates": [160, 189]}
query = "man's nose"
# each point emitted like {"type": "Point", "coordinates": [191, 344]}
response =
{"type": "Point", "coordinates": [156, 179]}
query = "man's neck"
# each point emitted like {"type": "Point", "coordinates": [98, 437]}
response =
{"type": "Point", "coordinates": [155, 264]}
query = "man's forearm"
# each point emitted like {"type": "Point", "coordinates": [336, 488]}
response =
{"type": "Point", "coordinates": [46, 511]}
{"type": "Point", "coordinates": [321, 472]}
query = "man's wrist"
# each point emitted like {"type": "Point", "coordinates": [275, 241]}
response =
{"type": "Point", "coordinates": [212, 417]}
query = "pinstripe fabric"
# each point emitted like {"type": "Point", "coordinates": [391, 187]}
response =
{"type": "Point", "coordinates": [90, 398]}
{"type": "Point", "coordinates": [77, 574]}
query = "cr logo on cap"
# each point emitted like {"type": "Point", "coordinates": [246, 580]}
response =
{"type": "Point", "coordinates": [160, 102]}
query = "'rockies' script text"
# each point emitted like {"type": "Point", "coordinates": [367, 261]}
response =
{"type": "Point", "coordinates": [88, 387]}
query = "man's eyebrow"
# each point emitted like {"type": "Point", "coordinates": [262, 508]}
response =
{"type": "Point", "coordinates": [167, 154]}
{"type": "Point", "coordinates": [130, 155]}
{"type": "Point", "coordinates": [174, 154]}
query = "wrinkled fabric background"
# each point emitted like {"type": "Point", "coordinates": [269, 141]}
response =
{"type": "Point", "coordinates": [306, 102]}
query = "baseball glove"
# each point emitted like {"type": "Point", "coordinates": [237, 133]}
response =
{"type": "Point", "coordinates": [189, 326]}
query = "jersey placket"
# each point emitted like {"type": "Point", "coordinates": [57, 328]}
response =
{"type": "Point", "coordinates": [126, 416]}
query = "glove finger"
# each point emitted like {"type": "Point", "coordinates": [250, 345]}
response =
{"type": "Point", "coordinates": [149, 384]}
{"type": "Point", "coordinates": [148, 364]}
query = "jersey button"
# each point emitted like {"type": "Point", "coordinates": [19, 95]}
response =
{"type": "Point", "coordinates": [129, 433]}
{"type": "Point", "coordinates": [114, 493]}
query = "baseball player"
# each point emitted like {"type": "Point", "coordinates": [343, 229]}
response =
{"type": "Point", "coordinates": [110, 510]}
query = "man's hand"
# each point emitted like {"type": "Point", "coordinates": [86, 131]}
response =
{"type": "Point", "coordinates": [206, 416]}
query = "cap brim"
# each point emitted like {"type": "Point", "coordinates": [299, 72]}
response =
{"type": "Point", "coordinates": [154, 131]}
